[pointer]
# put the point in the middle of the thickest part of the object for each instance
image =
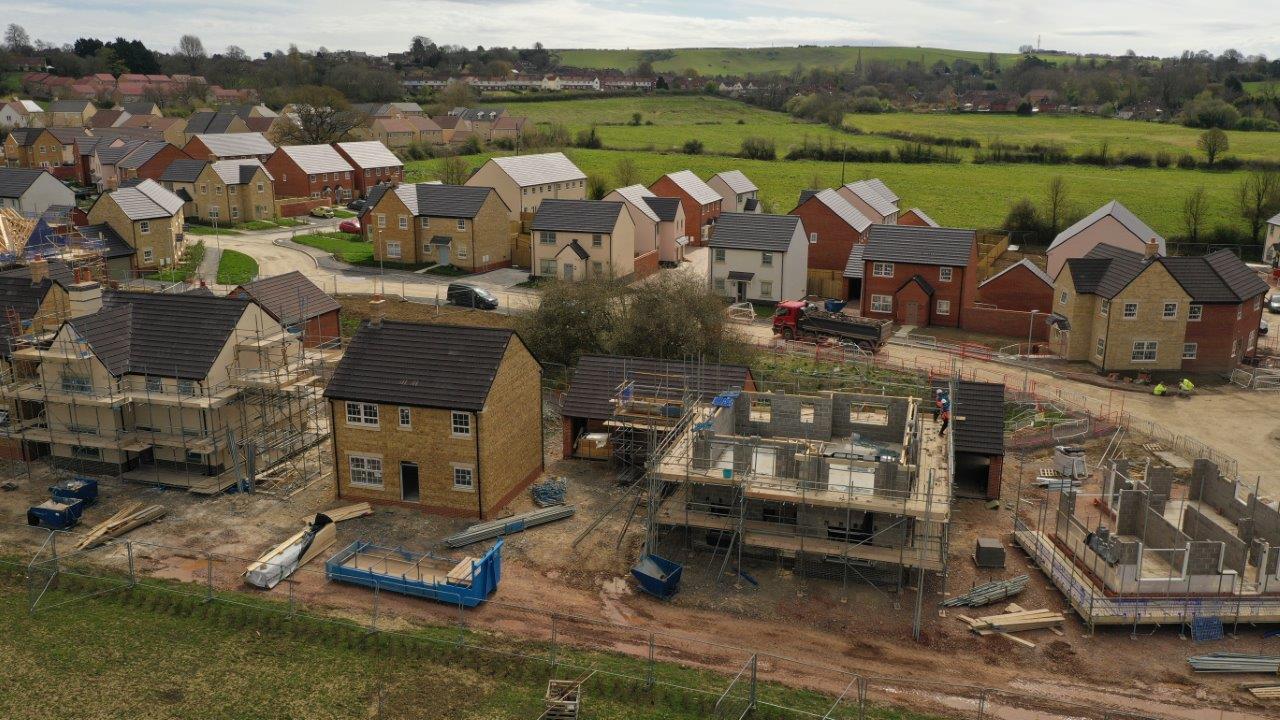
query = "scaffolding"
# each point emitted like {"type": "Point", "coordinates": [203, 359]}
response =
{"type": "Point", "coordinates": [248, 423]}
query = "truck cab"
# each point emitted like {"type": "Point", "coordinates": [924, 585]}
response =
{"type": "Point", "coordinates": [787, 315]}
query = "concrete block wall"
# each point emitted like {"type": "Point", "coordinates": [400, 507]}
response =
{"type": "Point", "coordinates": [1160, 482]}
{"type": "Point", "coordinates": [1208, 486]}
{"type": "Point", "coordinates": [1160, 533]}
{"type": "Point", "coordinates": [1266, 520]}
{"type": "Point", "coordinates": [1198, 527]}
{"type": "Point", "coordinates": [1065, 513]}
{"type": "Point", "coordinates": [842, 425]}
{"type": "Point", "coordinates": [892, 478]}
{"type": "Point", "coordinates": [1131, 511]}
{"type": "Point", "coordinates": [786, 418]}
{"type": "Point", "coordinates": [1204, 557]}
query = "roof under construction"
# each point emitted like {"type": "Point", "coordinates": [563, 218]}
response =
{"type": "Point", "coordinates": [597, 377]}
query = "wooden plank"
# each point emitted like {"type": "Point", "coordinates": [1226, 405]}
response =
{"type": "Point", "coordinates": [461, 573]}
{"type": "Point", "coordinates": [346, 512]}
{"type": "Point", "coordinates": [1018, 640]}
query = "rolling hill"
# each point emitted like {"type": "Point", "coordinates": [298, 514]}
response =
{"type": "Point", "coordinates": [740, 61]}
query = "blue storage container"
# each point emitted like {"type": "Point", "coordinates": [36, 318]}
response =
{"type": "Point", "coordinates": [835, 305]}
{"type": "Point", "coordinates": [79, 488]}
{"type": "Point", "coordinates": [658, 576]}
{"type": "Point", "coordinates": [56, 514]}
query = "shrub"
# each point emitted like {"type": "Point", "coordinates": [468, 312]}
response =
{"type": "Point", "coordinates": [588, 139]}
{"type": "Point", "coordinates": [869, 105]}
{"type": "Point", "coordinates": [1136, 159]}
{"type": "Point", "coordinates": [1259, 124]}
{"type": "Point", "coordinates": [758, 148]}
{"type": "Point", "coordinates": [692, 147]}
{"type": "Point", "coordinates": [1186, 162]}
{"type": "Point", "coordinates": [1024, 217]}
{"type": "Point", "coordinates": [1163, 159]}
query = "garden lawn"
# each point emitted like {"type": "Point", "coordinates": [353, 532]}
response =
{"type": "Point", "coordinates": [208, 230]}
{"type": "Point", "coordinates": [187, 264]}
{"type": "Point", "coordinates": [344, 246]}
{"type": "Point", "coordinates": [957, 195]}
{"type": "Point", "coordinates": [236, 268]}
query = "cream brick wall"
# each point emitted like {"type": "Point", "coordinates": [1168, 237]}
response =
{"type": "Point", "coordinates": [250, 203]}
{"type": "Point", "coordinates": [160, 237]}
{"type": "Point", "coordinates": [1150, 290]}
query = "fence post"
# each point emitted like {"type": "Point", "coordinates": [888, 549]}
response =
{"type": "Point", "coordinates": [208, 578]}
{"type": "Point", "coordinates": [650, 674]}
{"type": "Point", "coordinates": [53, 547]}
{"type": "Point", "coordinates": [128, 548]}
{"type": "Point", "coordinates": [292, 608]}
{"type": "Point", "coordinates": [553, 644]}
{"type": "Point", "coordinates": [862, 698]}
{"type": "Point", "coordinates": [982, 704]}
{"type": "Point", "coordinates": [373, 620]}
{"type": "Point", "coordinates": [752, 697]}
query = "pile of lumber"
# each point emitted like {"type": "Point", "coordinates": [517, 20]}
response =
{"type": "Point", "coordinates": [988, 593]}
{"type": "Point", "coordinates": [346, 512]}
{"type": "Point", "coordinates": [128, 518]}
{"type": "Point", "coordinates": [1016, 619]}
{"type": "Point", "coordinates": [508, 526]}
{"type": "Point", "coordinates": [1265, 692]}
{"type": "Point", "coordinates": [1229, 662]}
{"type": "Point", "coordinates": [301, 548]}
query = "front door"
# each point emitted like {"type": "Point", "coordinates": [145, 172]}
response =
{"type": "Point", "coordinates": [913, 313]}
{"type": "Point", "coordinates": [568, 271]}
{"type": "Point", "coordinates": [742, 290]}
{"type": "Point", "coordinates": [409, 482]}
{"type": "Point", "coordinates": [442, 252]}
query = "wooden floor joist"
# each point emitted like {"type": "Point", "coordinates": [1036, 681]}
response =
{"type": "Point", "coordinates": [346, 512]}
{"type": "Point", "coordinates": [120, 523]}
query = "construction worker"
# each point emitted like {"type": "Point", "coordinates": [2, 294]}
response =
{"type": "Point", "coordinates": [1186, 385]}
{"type": "Point", "coordinates": [1159, 389]}
{"type": "Point", "coordinates": [946, 420]}
{"type": "Point", "coordinates": [937, 404]}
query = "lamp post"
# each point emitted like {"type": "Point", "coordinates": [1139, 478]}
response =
{"type": "Point", "coordinates": [1031, 329]}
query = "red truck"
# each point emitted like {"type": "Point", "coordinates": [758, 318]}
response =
{"type": "Point", "coordinates": [797, 319]}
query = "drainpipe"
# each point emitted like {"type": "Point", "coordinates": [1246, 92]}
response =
{"type": "Point", "coordinates": [479, 487]}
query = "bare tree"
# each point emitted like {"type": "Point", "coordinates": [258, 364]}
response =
{"type": "Point", "coordinates": [1055, 204]}
{"type": "Point", "coordinates": [453, 171]}
{"type": "Point", "coordinates": [1194, 209]}
{"type": "Point", "coordinates": [1258, 198]}
{"type": "Point", "coordinates": [235, 52]}
{"type": "Point", "coordinates": [190, 47]}
{"type": "Point", "coordinates": [1213, 142]}
{"type": "Point", "coordinates": [321, 115]}
{"type": "Point", "coordinates": [16, 38]}
{"type": "Point", "coordinates": [625, 172]}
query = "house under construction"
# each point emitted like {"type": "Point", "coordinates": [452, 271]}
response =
{"type": "Point", "coordinates": [1149, 550]}
{"type": "Point", "coordinates": [185, 390]}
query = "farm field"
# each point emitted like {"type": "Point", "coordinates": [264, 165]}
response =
{"type": "Point", "coordinates": [960, 195]}
{"type": "Point", "coordinates": [740, 61]}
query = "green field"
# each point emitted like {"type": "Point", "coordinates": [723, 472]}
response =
{"type": "Point", "coordinates": [236, 268]}
{"type": "Point", "coordinates": [344, 246]}
{"type": "Point", "coordinates": [1262, 87]}
{"type": "Point", "coordinates": [740, 61]}
{"type": "Point", "coordinates": [959, 195]}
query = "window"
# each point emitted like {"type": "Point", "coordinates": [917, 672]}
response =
{"type": "Point", "coordinates": [311, 178]}
{"type": "Point", "coordinates": [462, 223]}
{"type": "Point", "coordinates": [155, 385]}
{"type": "Point", "coordinates": [1189, 351]}
{"type": "Point", "coordinates": [547, 268]}
{"type": "Point", "coordinates": [944, 274]}
{"type": "Point", "coordinates": [144, 227]}
{"type": "Point", "coordinates": [761, 409]}
{"type": "Point", "coordinates": [1144, 351]}
{"type": "Point", "coordinates": [597, 240]}
{"type": "Point", "coordinates": [463, 477]}
{"type": "Point", "coordinates": [1100, 348]}
{"type": "Point", "coordinates": [261, 187]}
{"type": "Point", "coordinates": [944, 307]}
{"type": "Point", "coordinates": [1170, 311]}
{"type": "Point", "coordinates": [393, 249]}
{"type": "Point", "coordinates": [720, 284]}
{"type": "Point", "coordinates": [1130, 311]}
{"type": "Point", "coordinates": [76, 384]}
{"type": "Point", "coordinates": [231, 189]}
{"type": "Point", "coordinates": [195, 457]}
{"type": "Point", "coordinates": [882, 269]}
{"type": "Point", "coordinates": [186, 387]}
{"type": "Point", "coordinates": [460, 422]}
{"type": "Point", "coordinates": [866, 414]}
{"type": "Point", "coordinates": [404, 222]}
{"type": "Point", "coordinates": [359, 413]}
{"type": "Point", "coordinates": [1195, 312]}
{"type": "Point", "coordinates": [406, 418]}
{"type": "Point", "coordinates": [807, 411]}
{"type": "Point", "coordinates": [204, 189]}
{"type": "Point", "coordinates": [424, 222]}
{"type": "Point", "coordinates": [547, 238]}
{"type": "Point", "coordinates": [382, 220]}
{"type": "Point", "coordinates": [719, 254]}
{"type": "Point", "coordinates": [597, 268]}
{"type": "Point", "coordinates": [1104, 309]}
{"type": "Point", "coordinates": [147, 255]}
{"type": "Point", "coordinates": [766, 259]}
{"type": "Point", "coordinates": [882, 303]}
{"type": "Point", "coordinates": [365, 470]}
{"type": "Point", "coordinates": [1062, 298]}
{"type": "Point", "coordinates": [235, 213]}
{"type": "Point", "coordinates": [766, 289]}
{"type": "Point", "coordinates": [217, 189]}
{"type": "Point", "coordinates": [462, 252]}
{"type": "Point", "coordinates": [213, 213]}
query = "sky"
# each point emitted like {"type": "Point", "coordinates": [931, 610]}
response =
{"type": "Point", "coordinates": [1149, 27]}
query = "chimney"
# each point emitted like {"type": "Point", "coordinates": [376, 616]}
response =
{"type": "Point", "coordinates": [39, 270]}
{"type": "Point", "coordinates": [85, 298]}
{"type": "Point", "coordinates": [376, 311]}
{"type": "Point", "coordinates": [1152, 248]}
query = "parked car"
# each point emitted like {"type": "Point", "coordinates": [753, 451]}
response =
{"type": "Point", "coordinates": [1273, 303]}
{"type": "Point", "coordinates": [356, 205]}
{"type": "Point", "coordinates": [322, 212]}
{"type": "Point", "coordinates": [349, 226]}
{"type": "Point", "coordinates": [472, 297]}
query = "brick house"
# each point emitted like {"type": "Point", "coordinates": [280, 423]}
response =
{"type": "Point", "coordinates": [916, 217]}
{"type": "Point", "coordinates": [172, 129]}
{"type": "Point", "coordinates": [227, 192]}
{"type": "Point", "coordinates": [373, 164]}
{"type": "Point", "coordinates": [41, 147]}
{"type": "Point", "coordinates": [579, 239]}
{"type": "Point", "coordinates": [229, 146]}
{"type": "Point", "coordinates": [759, 258]}
{"type": "Point", "coordinates": [834, 227]}
{"type": "Point", "coordinates": [872, 198]}
{"type": "Point", "coordinates": [919, 276]}
{"type": "Point", "coordinates": [524, 181]}
{"type": "Point", "coordinates": [737, 191]}
{"type": "Point", "coordinates": [1112, 224]}
{"type": "Point", "coordinates": [32, 191]}
{"type": "Point", "coordinates": [443, 418]}
{"type": "Point", "coordinates": [298, 305]}
{"type": "Point", "coordinates": [69, 113]}
{"type": "Point", "coordinates": [1126, 311]}
{"type": "Point", "coordinates": [148, 161]}
{"type": "Point", "coordinates": [393, 132]}
{"type": "Point", "coordinates": [148, 218]}
{"type": "Point", "coordinates": [315, 171]}
{"type": "Point", "coordinates": [466, 227]}
{"type": "Point", "coordinates": [659, 223]}
{"type": "Point", "coordinates": [1021, 286]}
{"type": "Point", "coordinates": [702, 205]}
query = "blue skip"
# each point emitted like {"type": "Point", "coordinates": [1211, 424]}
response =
{"type": "Point", "coordinates": [79, 488]}
{"type": "Point", "coordinates": [458, 581]}
{"type": "Point", "coordinates": [658, 576]}
{"type": "Point", "coordinates": [56, 514]}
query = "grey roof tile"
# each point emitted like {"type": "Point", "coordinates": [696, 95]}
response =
{"type": "Point", "coordinates": [289, 298]}
{"type": "Point", "coordinates": [596, 379]}
{"type": "Point", "coordinates": [1122, 214]}
{"type": "Point", "coordinates": [752, 231]}
{"type": "Point", "coordinates": [920, 245]}
{"type": "Point", "coordinates": [587, 216]}
{"type": "Point", "coordinates": [437, 200]}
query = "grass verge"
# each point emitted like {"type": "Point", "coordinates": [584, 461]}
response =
{"type": "Point", "coordinates": [191, 229]}
{"type": "Point", "coordinates": [236, 268]}
{"type": "Point", "coordinates": [187, 264]}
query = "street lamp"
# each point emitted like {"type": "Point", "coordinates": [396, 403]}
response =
{"type": "Point", "coordinates": [1031, 329]}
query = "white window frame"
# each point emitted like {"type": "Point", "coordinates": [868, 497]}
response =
{"type": "Point", "coordinates": [1190, 351]}
{"type": "Point", "coordinates": [148, 255]}
{"type": "Point", "coordinates": [461, 251]}
{"type": "Point", "coordinates": [1104, 307]}
{"type": "Point", "coordinates": [364, 470]}
{"type": "Point", "coordinates": [944, 274]}
{"type": "Point", "coordinates": [403, 222]}
{"type": "Point", "coordinates": [1062, 298]}
{"type": "Point", "coordinates": [546, 237]}
{"type": "Point", "coordinates": [882, 269]}
{"type": "Point", "coordinates": [944, 307]}
{"type": "Point", "coordinates": [1100, 347]}
{"type": "Point", "coordinates": [718, 255]}
{"type": "Point", "coordinates": [885, 303]}
{"type": "Point", "coordinates": [393, 249]}
{"type": "Point", "coordinates": [382, 220]}
{"type": "Point", "coordinates": [467, 471]}
{"type": "Point", "coordinates": [1125, 311]}
{"type": "Point", "coordinates": [459, 424]}
{"type": "Point", "coordinates": [766, 289]}
{"type": "Point", "coordinates": [424, 222]}
{"type": "Point", "coordinates": [364, 414]}
{"type": "Point", "coordinates": [144, 227]}
{"type": "Point", "coordinates": [462, 223]}
{"type": "Point", "coordinates": [1144, 347]}
{"type": "Point", "coordinates": [1169, 311]}
{"type": "Point", "coordinates": [405, 415]}
{"type": "Point", "coordinates": [766, 259]}
{"type": "Point", "coordinates": [1195, 312]}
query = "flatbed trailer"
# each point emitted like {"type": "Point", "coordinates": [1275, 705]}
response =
{"type": "Point", "coordinates": [466, 581]}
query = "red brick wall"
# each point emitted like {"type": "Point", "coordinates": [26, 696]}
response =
{"type": "Point", "coordinates": [909, 294]}
{"type": "Point", "coordinates": [290, 181]}
{"type": "Point", "coordinates": [1215, 334]}
{"type": "Point", "coordinates": [646, 264]}
{"type": "Point", "coordinates": [1010, 323]}
{"type": "Point", "coordinates": [835, 236]}
{"type": "Point", "coordinates": [957, 291]}
{"type": "Point", "coordinates": [323, 329]}
{"type": "Point", "coordinates": [695, 215]}
{"type": "Point", "coordinates": [1018, 289]}
{"type": "Point", "coordinates": [293, 207]}
{"type": "Point", "coordinates": [155, 167]}
{"type": "Point", "coordinates": [910, 218]}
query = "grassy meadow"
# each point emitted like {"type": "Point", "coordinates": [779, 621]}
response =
{"type": "Point", "coordinates": [741, 61]}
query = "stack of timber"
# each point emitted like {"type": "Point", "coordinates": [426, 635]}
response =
{"type": "Point", "coordinates": [346, 512]}
{"type": "Point", "coordinates": [988, 593]}
{"type": "Point", "coordinates": [122, 522]}
{"type": "Point", "coordinates": [508, 526]}
{"type": "Point", "coordinates": [1229, 662]}
{"type": "Point", "coordinates": [280, 562]}
{"type": "Point", "coordinates": [1014, 620]}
